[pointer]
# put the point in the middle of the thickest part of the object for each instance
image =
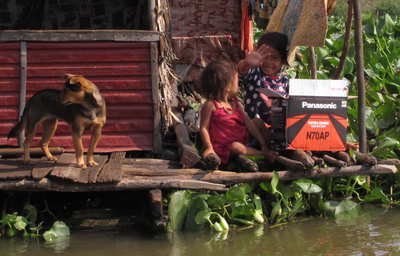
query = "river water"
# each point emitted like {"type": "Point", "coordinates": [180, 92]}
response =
{"type": "Point", "coordinates": [375, 232]}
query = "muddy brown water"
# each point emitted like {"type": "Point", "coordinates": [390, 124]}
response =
{"type": "Point", "coordinates": [375, 232]}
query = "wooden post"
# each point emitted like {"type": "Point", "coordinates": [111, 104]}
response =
{"type": "Point", "coordinates": [347, 33]}
{"type": "Point", "coordinates": [159, 222]}
{"type": "Point", "coordinates": [313, 62]}
{"type": "Point", "coordinates": [362, 133]}
{"type": "Point", "coordinates": [152, 15]}
{"type": "Point", "coordinates": [22, 86]}
{"type": "Point", "coordinates": [157, 141]}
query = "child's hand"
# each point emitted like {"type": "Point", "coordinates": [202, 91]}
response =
{"type": "Point", "coordinates": [208, 151]}
{"type": "Point", "coordinates": [255, 58]}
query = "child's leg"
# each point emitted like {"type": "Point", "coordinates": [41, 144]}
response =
{"type": "Point", "coordinates": [239, 150]}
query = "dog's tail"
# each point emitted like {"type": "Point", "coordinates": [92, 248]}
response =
{"type": "Point", "coordinates": [16, 130]}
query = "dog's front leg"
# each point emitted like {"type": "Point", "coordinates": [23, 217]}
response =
{"type": "Point", "coordinates": [96, 134]}
{"type": "Point", "coordinates": [77, 140]}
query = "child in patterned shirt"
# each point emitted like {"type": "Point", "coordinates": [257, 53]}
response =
{"type": "Point", "coordinates": [263, 68]}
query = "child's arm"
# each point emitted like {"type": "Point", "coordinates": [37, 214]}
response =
{"type": "Point", "coordinates": [205, 117]}
{"type": "Point", "coordinates": [253, 129]}
{"type": "Point", "coordinates": [253, 59]}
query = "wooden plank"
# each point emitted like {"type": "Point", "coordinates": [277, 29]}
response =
{"type": "Point", "coordinates": [54, 185]}
{"type": "Point", "coordinates": [90, 174]}
{"type": "Point", "coordinates": [66, 168]}
{"type": "Point", "coordinates": [150, 163]}
{"type": "Point", "coordinates": [151, 171]}
{"type": "Point", "coordinates": [112, 172]}
{"type": "Point", "coordinates": [79, 35]}
{"type": "Point", "coordinates": [14, 169]}
{"type": "Point", "coordinates": [42, 169]}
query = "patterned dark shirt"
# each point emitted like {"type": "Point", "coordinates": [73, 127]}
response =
{"type": "Point", "coordinates": [256, 78]}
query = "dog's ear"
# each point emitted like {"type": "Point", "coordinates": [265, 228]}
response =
{"type": "Point", "coordinates": [68, 76]}
{"type": "Point", "coordinates": [94, 97]}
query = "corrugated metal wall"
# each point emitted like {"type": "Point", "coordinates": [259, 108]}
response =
{"type": "Point", "coordinates": [120, 70]}
{"type": "Point", "coordinates": [9, 88]}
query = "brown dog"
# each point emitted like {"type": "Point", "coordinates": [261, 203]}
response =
{"type": "Point", "coordinates": [80, 104]}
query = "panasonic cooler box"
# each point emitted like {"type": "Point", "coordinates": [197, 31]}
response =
{"type": "Point", "coordinates": [313, 118]}
{"type": "Point", "coordinates": [316, 117]}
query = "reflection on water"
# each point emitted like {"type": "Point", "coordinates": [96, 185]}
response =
{"type": "Point", "coordinates": [375, 232]}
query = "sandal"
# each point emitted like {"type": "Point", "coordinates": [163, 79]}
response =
{"type": "Point", "coordinates": [247, 164]}
{"type": "Point", "coordinates": [212, 161]}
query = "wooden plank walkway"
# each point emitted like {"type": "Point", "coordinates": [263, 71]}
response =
{"type": "Point", "coordinates": [116, 173]}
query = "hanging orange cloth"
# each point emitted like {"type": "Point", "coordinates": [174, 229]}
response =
{"type": "Point", "coordinates": [246, 29]}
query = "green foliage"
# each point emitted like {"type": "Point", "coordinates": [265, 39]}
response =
{"type": "Point", "coordinates": [193, 211]}
{"type": "Point", "coordinates": [58, 231]}
{"type": "Point", "coordinates": [14, 224]}
{"type": "Point", "coordinates": [382, 67]}
{"type": "Point", "coordinates": [379, 7]}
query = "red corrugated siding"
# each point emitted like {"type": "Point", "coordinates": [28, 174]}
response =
{"type": "Point", "coordinates": [122, 73]}
{"type": "Point", "coordinates": [9, 89]}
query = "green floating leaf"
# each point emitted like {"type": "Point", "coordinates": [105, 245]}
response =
{"type": "Point", "coordinates": [274, 182]}
{"type": "Point", "coordinates": [20, 223]}
{"type": "Point", "coordinates": [203, 216]}
{"type": "Point", "coordinates": [177, 209]}
{"type": "Point", "coordinates": [58, 231]}
{"type": "Point", "coordinates": [308, 187]}
{"type": "Point", "coordinates": [50, 235]}
{"type": "Point", "coordinates": [238, 193]}
{"type": "Point", "coordinates": [376, 195]}
{"type": "Point", "coordinates": [197, 205]}
{"type": "Point", "coordinates": [61, 229]}
{"type": "Point", "coordinates": [329, 208]}
{"type": "Point", "coordinates": [347, 210]}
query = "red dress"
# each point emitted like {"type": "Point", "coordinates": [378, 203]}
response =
{"type": "Point", "coordinates": [226, 127]}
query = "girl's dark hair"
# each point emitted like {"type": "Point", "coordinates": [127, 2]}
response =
{"type": "Point", "coordinates": [216, 77]}
{"type": "Point", "coordinates": [276, 40]}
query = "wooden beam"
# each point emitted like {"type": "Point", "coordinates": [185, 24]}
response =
{"type": "Point", "coordinates": [145, 184]}
{"type": "Point", "coordinates": [232, 177]}
{"type": "Point", "coordinates": [79, 35]}
{"type": "Point", "coordinates": [33, 151]}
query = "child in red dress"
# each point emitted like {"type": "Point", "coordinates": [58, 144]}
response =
{"type": "Point", "coordinates": [224, 126]}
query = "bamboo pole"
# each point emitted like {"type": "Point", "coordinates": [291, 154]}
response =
{"type": "Point", "coordinates": [362, 133]}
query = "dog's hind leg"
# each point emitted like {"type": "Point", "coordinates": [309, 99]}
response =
{"type": "Point", "coordinates": [49, 128]}
{"type": "Point", "coordinates": [29, 134]}
{"type": "Point", "coordinates": [77, 132]}
{"type": "Point", "coordinates": [96, 134]}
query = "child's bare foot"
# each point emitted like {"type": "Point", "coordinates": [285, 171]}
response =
{"type": "Point", "coordinates": [302, 156]}
{"type": "Point", "coordinates": [212, 161]}
{"type": "Point", "coordinates": [290, 164]}
{"type": "Point", "coordinates": [344, 156]}
{"type": "Point", "coordinates": [247, 164]}
{"type": "Point", "coordinates": [333, 161]}
{"type": "Point", "coordinates": [364, 158]}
